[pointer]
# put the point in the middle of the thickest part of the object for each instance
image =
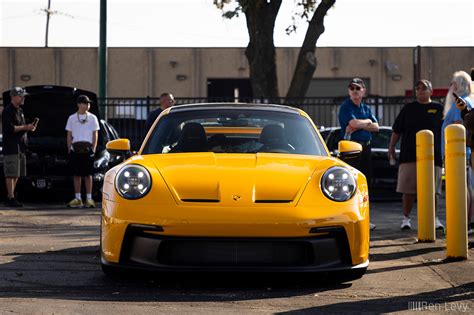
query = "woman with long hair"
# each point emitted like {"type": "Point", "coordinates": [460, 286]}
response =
{"type": "Point", "coordinates": [461, 84]}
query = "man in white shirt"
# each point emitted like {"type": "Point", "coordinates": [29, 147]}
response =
{"type": "Point", "coordinates": [82, 131]}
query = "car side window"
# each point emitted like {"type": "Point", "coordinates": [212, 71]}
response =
{"type": "Point", "coordinates": [381, 139]}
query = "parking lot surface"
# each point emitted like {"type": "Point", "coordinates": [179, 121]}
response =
{"type": "Point", "coordinates": [49, 264]}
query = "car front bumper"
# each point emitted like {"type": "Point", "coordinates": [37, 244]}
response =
{"type": "Point", "coordinates": [327, 249]}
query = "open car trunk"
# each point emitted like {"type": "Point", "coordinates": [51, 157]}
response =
{"type": "Point", "coordinates": [47, 161]}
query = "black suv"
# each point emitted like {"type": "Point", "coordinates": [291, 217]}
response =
{"type": "Point", "coordinates": [47, 162]}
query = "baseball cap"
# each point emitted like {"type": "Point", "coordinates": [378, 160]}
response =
{"type": "Point", "coordinates": [425, 83]}
{"type": "Point", "coordinates": [358, 82]}
{"type": "Point", "coordinates": [18, 91]}
{"type": "Point", "coordinates": [83, 99]}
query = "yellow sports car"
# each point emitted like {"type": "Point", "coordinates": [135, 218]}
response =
{"type": "Point", "coordinates": [235, 187]}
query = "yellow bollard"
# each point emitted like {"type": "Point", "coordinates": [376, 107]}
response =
{"type": "Point", "coordinates": [456, 192]}
{"type": "Point", "coordinates": [425, 185]}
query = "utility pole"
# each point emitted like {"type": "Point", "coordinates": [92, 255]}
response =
{"type": "Point", "coordinates": [416, 66]}
{"type": "Point", "coordinates": [48, 14]}
{"type": "Point", "coordinates": [103, 59]}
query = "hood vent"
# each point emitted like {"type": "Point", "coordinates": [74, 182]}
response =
{"type": "Point", "coordinates": [200, 200]}
{"type": "Point", "coordinates": [273, 201]}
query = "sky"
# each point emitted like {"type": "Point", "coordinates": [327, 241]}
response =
{"type": "Point", "coordinates": [198, 23]}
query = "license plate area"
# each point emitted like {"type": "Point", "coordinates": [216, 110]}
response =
{"type": "Point", "coordinates": [41, 183]}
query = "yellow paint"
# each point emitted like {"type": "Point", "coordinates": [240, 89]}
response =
{"type": "Point", "coordinates": [261, 176]}
{"type": "Point", "coordinates": [236, 182]}
{"type": "Point", "coordinates": [425, 185]}
{"type": "Point", "coordinates": [118, 145]}
{"type": "Point", "coordinates": [349, 146]}
{"type": "Point", "coordinates": [456, 194]}
{"type": "Point", "coordinates": [233, 130]}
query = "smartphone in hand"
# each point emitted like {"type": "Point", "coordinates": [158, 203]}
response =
{"type": "Point", "coordinates": [456, 96]}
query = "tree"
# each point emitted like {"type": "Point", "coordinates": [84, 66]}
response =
{"type": "Point", "coordinates": [261, 53]}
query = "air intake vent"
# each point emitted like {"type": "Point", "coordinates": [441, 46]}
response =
{"type": "Point", "coordinates": [272, 201]}
{"type": "Point", "coordinates": [200, 200]}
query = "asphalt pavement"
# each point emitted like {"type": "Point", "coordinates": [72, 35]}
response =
{"type": "Point", "coordinates": [49, 263]}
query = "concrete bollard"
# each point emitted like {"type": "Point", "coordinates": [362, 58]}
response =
{"type": "Point", "coordinates": [456, 192]}
{"type": "Point", "coordinates": [425, 185]}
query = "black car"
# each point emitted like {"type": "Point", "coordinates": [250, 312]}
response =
{"type": "Point", "coordinates": [384, 176]}
{"type": "Point", "coordinates": [47, 160]}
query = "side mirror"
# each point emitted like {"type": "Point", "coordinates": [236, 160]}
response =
{"type": "Point", "coordinates": [119, 147]}
{"type": "Point", "coordinates": [348, 150]}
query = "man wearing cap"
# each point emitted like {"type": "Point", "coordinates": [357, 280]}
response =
{"type": "Point", "coordinates": [82, 130]}
{"type": "Point", "coordinates": [14, 130]}
{"type": "Point", "coordinates": [357, 122]}
{"type": "Point", "coordinates": [413, 117]}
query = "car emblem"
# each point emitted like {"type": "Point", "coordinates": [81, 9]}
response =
{"type": "Point", "coordinates": [236, 197]}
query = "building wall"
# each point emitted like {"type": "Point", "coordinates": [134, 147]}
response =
{"type": "Point", "coordinates": [140, 72]}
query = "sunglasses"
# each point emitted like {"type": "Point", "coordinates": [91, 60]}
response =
{"type": "Point", "coordinates": [357, 88]}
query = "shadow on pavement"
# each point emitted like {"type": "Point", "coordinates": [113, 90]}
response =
{"type": "Point", "coordinates": [443, 298]}
{"type": "Point", "coordinates": [404, 267]}
{"type": "Point", "coordinates": [405, 254]}
{"type": "Point", "coordinates": [75, 274]}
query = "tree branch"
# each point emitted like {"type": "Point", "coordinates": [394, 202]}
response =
{"type": "Point", "coordinates": [307, 63]}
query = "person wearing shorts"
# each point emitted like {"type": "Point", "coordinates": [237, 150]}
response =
{"type": "Point", "coordinates": [14, 130]}
{"type": "Point", "coordinates": [415, 116]}
{"type": "Point", "coordinates": [82, 130]}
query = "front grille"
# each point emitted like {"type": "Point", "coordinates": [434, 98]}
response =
{"type": "Point", "coordinates": [234, 253]}
{"type": "Point", "coordinates": [326, 249]}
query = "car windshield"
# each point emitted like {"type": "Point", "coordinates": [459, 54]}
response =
{"type": "Point", "coordinates": [234, 131]}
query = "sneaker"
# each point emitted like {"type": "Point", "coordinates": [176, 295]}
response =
{"type": "Point", "coordinates": [439, 225]}
{"type": "Point", "coordinates": [12, 202]}
{"type": "Point", "coordinates": [372, 226]}
{"type": "Point", "coordinates": [90, 203]}
{"type": "Point", "coordinates": [75, 203]}
{"type": "Point", "coordinates": [406, 225]}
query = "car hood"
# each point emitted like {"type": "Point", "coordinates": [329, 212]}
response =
{"type": "Point", "coordinates": [247, 178]}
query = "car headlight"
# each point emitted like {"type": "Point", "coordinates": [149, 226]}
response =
{"type": "Point", "coordinates": [133, 181]}
{"type": "Point", "coordinates": [338, 184]}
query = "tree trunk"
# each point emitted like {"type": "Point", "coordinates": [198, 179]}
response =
{"type": "Point", "coordinates": [306, 64]}
{"type": "Point", "coordinates": [260, 52]}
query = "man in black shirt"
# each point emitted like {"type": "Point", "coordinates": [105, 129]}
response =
{"type": "Point", "coordinates": [419, 115]}
{"type": "Point", "coordinates": [14, 130]}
